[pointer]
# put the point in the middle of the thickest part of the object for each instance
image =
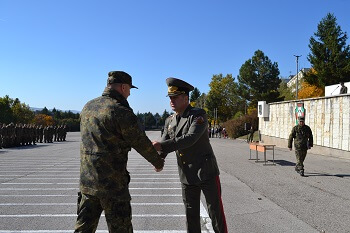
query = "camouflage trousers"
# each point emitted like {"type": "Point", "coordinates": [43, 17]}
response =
{"type": "Point", "coordinates": [89, 209]}
{"type": "Point", "coordinates": [300, 155]}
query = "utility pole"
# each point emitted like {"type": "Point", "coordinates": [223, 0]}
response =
{"type": "Point", "coordinates": [297, 84]}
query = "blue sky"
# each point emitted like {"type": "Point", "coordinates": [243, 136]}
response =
{"type": "Point", "coordinates": [57, 53]}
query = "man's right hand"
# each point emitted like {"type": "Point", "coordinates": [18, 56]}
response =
{"type": "Point", "coordinates": [159, 168]}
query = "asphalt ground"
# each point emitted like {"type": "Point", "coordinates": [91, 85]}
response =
{"type": "Point", "coordinates": [38, 186]}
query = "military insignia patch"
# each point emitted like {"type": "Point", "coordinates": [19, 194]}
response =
{"type": "Point", "coordinates": [199, 120]}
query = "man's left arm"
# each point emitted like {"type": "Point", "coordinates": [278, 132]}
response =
{"type": "Point", "coordinates": [311, 139]}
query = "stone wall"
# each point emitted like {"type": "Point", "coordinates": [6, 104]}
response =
{"type": "Point", "coordinates": [328, 118]}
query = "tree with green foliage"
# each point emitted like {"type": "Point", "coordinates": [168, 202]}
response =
{"type": "Point", "coordinates": [259, 80]}
{"type": "Point", "coordinates": [12, 110]}
{"type": "Point", "coordinates": [45, 111]}
{"type": "Point", "coordinates": [329, 56]}
{"type": "Point", "coordinates": [285, 92]}
{"type": "Point", "coordinates": [6, 114]}
{"type": "Point", "coordinates": [195, 94]}
{"type": "Point", "coordinates": [200, 101]}
{"type": "Point", "coordinates": [223, 96]}
{"type": "Point", "coordinates": [22, 113]}
{"type": "Point", "coordinates": [150, 120]}
{"type": "Point", "coordinates": [164, 116]}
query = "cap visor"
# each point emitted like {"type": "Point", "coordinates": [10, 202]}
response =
{"type": "Point", "coordinates": [132, 86]}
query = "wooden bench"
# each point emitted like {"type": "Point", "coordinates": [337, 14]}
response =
{"type": "Point", "coordinates": [261, 147]}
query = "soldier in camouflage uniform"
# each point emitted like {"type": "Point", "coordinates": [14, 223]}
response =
{"type": "Point", "coordinates": [186, 133]}
{"type": "Point", "coordinates": [64, 133]}
{"type": "Point", "coordinates": [0, 135]}
{"type": "Point", "coordinates": [109, 129]}
{"type": "Point", "coordinates": [303, 140]}
{"type": "Point", "coordinates": [5, 137]}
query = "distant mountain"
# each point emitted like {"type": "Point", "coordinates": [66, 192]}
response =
{"type": "Point", "coordinates": [39, 109]}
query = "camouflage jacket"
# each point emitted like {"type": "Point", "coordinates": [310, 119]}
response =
{"type": "Point", "coordinates": [302, 136]}
{"type": "Point", "coordinates": [109, 129]}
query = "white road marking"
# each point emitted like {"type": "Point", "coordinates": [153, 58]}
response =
{"type": "Point", "coordinates": [77, 178]}
{"type": "Point", "coordinates": [74, 204]}
{"type": "Point", "coordinates": [74, 215]}
{"type": "Point", "coordinates": [98, 231]}
{"type": "Point", "coordinates": [41, 189]}
{"type": "Point", "coordinates": [63, 195]}
{"type": "Point", "coordinates": [164, 182]}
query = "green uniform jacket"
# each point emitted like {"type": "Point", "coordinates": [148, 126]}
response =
{"type": "Point", "coordinates": [302, 136]}
{"type": "Point", "coordinates": [190, 140]}
{"type": "Point", "coordinates": [109, 129]}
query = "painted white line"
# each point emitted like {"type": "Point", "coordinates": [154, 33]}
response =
{"type": "Point", "coordinates": [40, 171]}
{"type": "Point", "coordinates": [59, 195]}
{"type": "Point", "coordinates": [145, 170]}
{"type": "Point", "coordinates": [41, 189]}
{"type": "Point", "coordinates": [152, 174]}
{"type": "Point", "coordinates": [98, 231]}
{"type": "Point", "coordinates": [33, 195]}
{"type": "Point", "coordinates": [74, 204]}
{"type": "Point", "coordinates": [38, 183]}
{"type": "Point", "coordinates": [145, 182]}
{"type": "Point", "coordinates": [77, 178]}
{"type": "Point", "coordinates": [43, 178]}
{"type": "Point", "coordinates": [134, 178]}
{"type": "Point", "coordinates": [205, 218]}
{"type": "Point", "coordinates": [74, 215]}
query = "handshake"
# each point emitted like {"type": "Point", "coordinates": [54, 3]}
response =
{"type": "Point", "coordinates": [158, 148]}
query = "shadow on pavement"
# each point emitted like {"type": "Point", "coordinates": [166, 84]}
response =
{"type": "Point", "coordinates": [28, 147]}
{"type": "Point", "coordinates": [325, 174]}
{"type": "Point", "coordinates": [284, 163]}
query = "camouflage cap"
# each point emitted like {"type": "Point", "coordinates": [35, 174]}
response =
{"type": "Point", "coordinates": [300, 118]}
{"type": "Point", "coordinates": [119, 77]}
{"type": "Point", "coordinates": [177, 87]}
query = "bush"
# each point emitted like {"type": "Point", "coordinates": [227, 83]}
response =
{"type": "Point", "coordinates": [235, 127]}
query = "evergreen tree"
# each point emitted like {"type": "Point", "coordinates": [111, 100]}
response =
{"type": "Point", "coordinates": [329, 56]}
{"type": "Point", "coordinates": [258, 80]}
{"type": "Point", "coordinates": [164, 116]}
{"type": "Point", "coordinates": [45, 111]}
{"type": "Point", "coordinates": [195, 94]}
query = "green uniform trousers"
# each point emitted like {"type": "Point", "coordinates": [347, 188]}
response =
{"type": "Point", "coordinates": [300, 155]}
{"type": "Point", "coordinates": [117, 213]}
{"type": "Point", "coordinates": [191, 198]}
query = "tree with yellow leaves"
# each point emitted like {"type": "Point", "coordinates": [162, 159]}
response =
{"type": "Point", "coordinates": [43, 119]}
{"type": "Point", "coordinates": [310, 91]}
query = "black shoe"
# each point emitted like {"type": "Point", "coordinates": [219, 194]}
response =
{"type": "Point", "coordinates": [301, 172]}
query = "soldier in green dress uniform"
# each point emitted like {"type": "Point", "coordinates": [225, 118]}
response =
{"type": "Point", "coordinates": [186, 133]}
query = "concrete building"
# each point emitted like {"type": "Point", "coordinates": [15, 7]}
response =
{"type": "Point", "coordinates": [292, 82]}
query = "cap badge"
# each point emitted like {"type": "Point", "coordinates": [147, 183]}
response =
{"type": "Point", "coordinates": [172, 89]}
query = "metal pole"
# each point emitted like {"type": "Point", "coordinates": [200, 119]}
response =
{"type": "Point", "coordinates": [297, 84]}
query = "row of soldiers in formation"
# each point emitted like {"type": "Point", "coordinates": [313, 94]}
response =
{"type": "Point", "coordinates": [13, 135]}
